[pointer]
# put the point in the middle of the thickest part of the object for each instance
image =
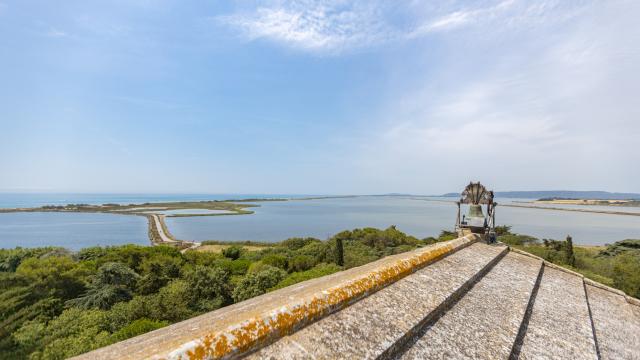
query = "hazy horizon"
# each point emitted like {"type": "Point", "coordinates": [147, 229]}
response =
{"type": "Point", "coordinates": [318, 97]}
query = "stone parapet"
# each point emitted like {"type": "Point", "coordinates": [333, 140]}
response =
{"type": "Point", "coordinates": [251, 324]}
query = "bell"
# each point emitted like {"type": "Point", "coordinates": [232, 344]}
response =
{"type": "Point", "coordinates": [475, 211]}
{"type": "Point", "coordinates": [476, 216]}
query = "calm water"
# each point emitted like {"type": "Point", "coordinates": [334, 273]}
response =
{"type": "Point", "coordinates": [189, 212]}
{"type": "Point", "coordinates": [276, 221]}
{"type": "Point", "coordinates": [71, 230]}
{"type": "Point", "coordinates": [21, 200]}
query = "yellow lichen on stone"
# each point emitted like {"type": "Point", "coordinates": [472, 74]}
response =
{"type": "Point", "coordinates": [256, 331]}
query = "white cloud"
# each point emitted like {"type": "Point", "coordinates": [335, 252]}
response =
{"type": "Point", "coordinates": [55, 33]}
{"type": "Point", "coordinates": [312, 25]}
{"type": "Point", "coordinates": [540, 108]}
{"type": "Point", "coordinates": [333, 26]}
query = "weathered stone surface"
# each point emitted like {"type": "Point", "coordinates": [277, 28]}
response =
{"type": "Point", "coordinates": [371, 326]}
{"type": "Point", "coordinates": [560, 326]}
{"type": "Point", "coordinates": [470, 301]}
{"type": "Point", "coordinates": [485, 322]}
{"type": "Point", "coordinates": [247, 325]}
{"type": "Point", "coordinates": [616, 323]}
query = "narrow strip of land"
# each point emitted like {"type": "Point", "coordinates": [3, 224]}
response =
{"type": "Point", "coordinates": [160, 229]}
{"type": "Point", "coordinates": [165, 238]}
{"type": "Point", "coordinates": [576, 210]}
{"type": "Point", "coordinates": [549, 208]}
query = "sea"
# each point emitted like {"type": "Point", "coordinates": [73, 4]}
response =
{"type": "Point", "coordinates": [273, 221]}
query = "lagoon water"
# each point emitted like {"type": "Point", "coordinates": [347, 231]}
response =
{"type": "Point", "coordinates": [278, 220]}
{"type": "Point", "coordinates": [190, 212]}
{"type": "Point", "coordinates": [25, 200]}
{"type": "Point", "coordinates": [421, 217]}
{"type": "Point", "coordinates": [71, 230]}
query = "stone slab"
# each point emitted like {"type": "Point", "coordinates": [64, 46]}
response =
{"type": "Point", "coordinates": [251, 324]}
{"type": "Point", "coordinates": [617, 324]}
{"type": "Point", "coordinates": [485, 322]}
{"type": "Point", "coordinates": [560, 326]}
{"type": "Point", "coordinates": [368, 328]}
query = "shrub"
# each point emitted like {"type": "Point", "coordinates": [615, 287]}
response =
{"type": "Point", "coordinates": [254, 284]}
{"type": "Point", "coordinates": [257, 267]}
{"type": "Point", "coordinates": [626, 274]}
{"type": "Point", "coordinates": [73, 332]}
{"type": "Point", "coordinates": [209, 285]}
{"type": "Point", "coordinates": [356, 254]}
{"type": "Point", "coordinates": [318, 271]}
{"type": "Point", "coordinates": [232, 252]}
{"type": "Point", "coordinates": [319, 251]}
{"type": "Point", "coordinates": [446, 235]}
{"type": "Point", "coordinates": [298, 243]}
{"type": "Point", "coordinates": [503, 230]}
{"type": "Point", "coordinates": [278, 261]}
{"type": "Point", "coordinates": [240, 266]}
{"type": "Point", "coordinates": [137, 327]}
{"type": "Point", "coordinates": [515, 239]}
{"type": "Point", "coordinates": [157, 272]}
{"type": "Point", "coordinates": [301, 263]}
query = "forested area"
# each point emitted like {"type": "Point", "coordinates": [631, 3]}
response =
{"type": "Point", "coordinates": [55, 303]}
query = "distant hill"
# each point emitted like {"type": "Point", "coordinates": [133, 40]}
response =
{"type": "Point", "coordinates": [567, 194]}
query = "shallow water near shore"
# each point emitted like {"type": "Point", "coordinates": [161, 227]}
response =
{"type": "Point", "coordinates": [71, 230]}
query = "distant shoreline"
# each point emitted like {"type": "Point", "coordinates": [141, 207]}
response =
{"type": "Point", "coordinates": [548, 208]}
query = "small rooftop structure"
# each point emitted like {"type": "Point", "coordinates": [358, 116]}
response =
{"type": "Point", "coordinates": [460, 299]}
{"type": "Point", "coordinates": [476, 195]}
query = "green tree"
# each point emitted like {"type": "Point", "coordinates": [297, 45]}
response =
{"type": "Point", "coordinates": [339, 252]}
{"type": "Point", "coordinates": [569, 257]}
{"type": "Point", "coordinates": [210, 287]}
{"type": "Point", "coordinates": [52, 275]}
{"type": "Point", "coordinates": [113, 283]}
{"type": "Point", "coordinates": [74, 332]}
{"type": "Point", "coordinates": [254, 284]}
{"type": "Point", "coordinates": [157, 272]}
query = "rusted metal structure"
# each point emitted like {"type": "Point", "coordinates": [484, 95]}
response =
{"type": "Point", "coordinates": [476, 195]}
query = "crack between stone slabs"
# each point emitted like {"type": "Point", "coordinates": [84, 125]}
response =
{"type": "Point", "coordinates": [403, 344]}
{"type": "Point", "coordinates": [593, 325]}
{"type": "Point", "coordinates": [524, 325]}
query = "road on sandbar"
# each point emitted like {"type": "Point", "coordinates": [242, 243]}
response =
{"type": "Point", "coordinates": [160, 228]}
{"type": "Point", "coordinates": [165, 238]}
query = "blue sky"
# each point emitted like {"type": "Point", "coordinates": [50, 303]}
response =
{"type": "Point", "coordinates": [318, 97]}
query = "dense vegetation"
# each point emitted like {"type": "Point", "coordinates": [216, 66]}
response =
{"type": "Point", "coordinates": [616, 265]}
{"type": "Point", "coordinates": [55, 304]}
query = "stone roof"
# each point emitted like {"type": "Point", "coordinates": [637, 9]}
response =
{"type": "Point", "coordinates": [459, 299]}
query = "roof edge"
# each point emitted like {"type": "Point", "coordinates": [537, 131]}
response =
{"type": "Point", "coordinates": [257, 322]}
{"type": "Point", "coordinates": [628, 298]}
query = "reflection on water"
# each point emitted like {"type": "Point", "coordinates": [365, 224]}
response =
{"type": "Point", "coordinates": [71, 230]}
{"type": "Point", "coordinates": [322, 218]}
